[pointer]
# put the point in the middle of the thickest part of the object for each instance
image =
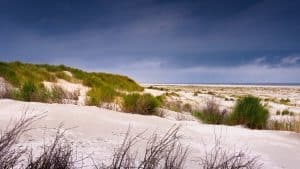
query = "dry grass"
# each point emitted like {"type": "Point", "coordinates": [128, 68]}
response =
{"type": "Point", "coordinates": [5, 89]}
{"type": "Point", "coordinates": [285, 125]}
{"type": "Point", "coordinates": [59, 95]}
{"type": "Point", "coordinates": [161, 152]}
{"type": "Point", "coordinates": [177, 106]}
{"type": "Point", "coordinates": [211, 113]}
{"type": "Point", "coordinates": [58, 155]}
{"type": "Point", "coordinates": [218, 157]}
{"type": "Point", "coordinates": [10, 156]}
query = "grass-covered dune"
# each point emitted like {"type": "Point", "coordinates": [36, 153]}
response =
{"type": "Point", "coordinates": [28, 78]}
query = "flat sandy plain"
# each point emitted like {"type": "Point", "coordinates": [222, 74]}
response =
{"type": "Point", "coordinates": [96, 131]}
{"type": "Point", "coordinates": [226, 95]}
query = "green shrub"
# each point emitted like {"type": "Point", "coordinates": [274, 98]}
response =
{"type": "Point", "coordinates": [142, 104]}
{"type": "Point", "coordinates": [250, 112]}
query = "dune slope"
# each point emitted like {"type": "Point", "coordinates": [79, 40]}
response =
{"type": "Point", "coordinates": [98, 131]}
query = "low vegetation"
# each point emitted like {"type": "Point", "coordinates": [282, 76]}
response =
{"type": "Point", "coordinates": [98, 95]}
{"type": "Point", "coordinates": [211, 113]}
{"type": "Point", "coordinates": [160, 152]}
{"type": "Point", "coordinates": [142, 104]}
{"type": "Point", "coordinates": [34, 91]}
{"type": "Point", "coordinates": [284, 101]}
{"type": "Point", "coordinates": [285, 112]}
{"type": "Point", "coordinates": [250, 112]}
{"type": "Point", "coordinates": [196, 93]}
{"type": "Point", "coordinates": [285, 125]}
{"type": "Point", "coordinates": [174, 94]}
{"type": "Point", "coordinates": [177, 106]}
{"type": "Point", "coordinates": [27, 80]}
{"type": "Point", "coordinates": [158, 88]}
{"type": "Point", "coordinates": [220, 157]}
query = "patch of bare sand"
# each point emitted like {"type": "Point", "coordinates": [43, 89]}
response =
{"type": "Point", "coordinates": [70, 87]}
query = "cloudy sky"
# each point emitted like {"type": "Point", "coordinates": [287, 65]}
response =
{"type": "Point", "coordinates": [213, 41]}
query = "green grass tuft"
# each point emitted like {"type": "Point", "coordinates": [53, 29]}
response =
{"type": "Point", "coordinates": [250, 112]}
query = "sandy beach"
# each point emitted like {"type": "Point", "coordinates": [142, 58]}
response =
{"type": "Point", "coordinates": [96, 131]}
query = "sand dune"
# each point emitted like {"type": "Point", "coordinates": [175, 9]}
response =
{"type": "Point", "coordinates": [99, 130]}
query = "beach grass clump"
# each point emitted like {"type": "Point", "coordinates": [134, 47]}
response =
{"type": "Point", "coordinates": [196, 93]}
{"type": "Point", "coordinates": [286, 112]}
{"type": "Point", "coordinates": [145, 104]}
{"type": "Point", "coordinates": [284, 125]}
{"type": "Point", "coordinates": [284, 101]}
{"type": "Point", "coordinates": [187, 107]}
{"type": "Point", "coordinates": [60, 95]}
{"type": "Point", "coordinates": [211, 113]}
{"type": "Point", "coordinates": [250, 112]}
{"type": "Point", "coordinates": [177, 105]}
{"type": "Point", "coordinates": [99, 95]}
{"type": "Point", "coordinates": [174, 94]}
{"type": "Point", "coordinates": [172, 105]}
{"type": "Point", "coordinates": [32, 91]}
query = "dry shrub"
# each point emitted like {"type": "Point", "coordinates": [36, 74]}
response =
{"type": "Point", "coordinates": [58, 155]}
{"type": "Point", "coordinates": [220, 158]}
{"type": "Point", "coordinates": [173, 105]}
{"type": "Point", "coordinates": [10, 155]}
{"type": "Point", "coordinates": [59, 95]}
{"type": "Point", "coordinates": [285, 125]}
{"type": "Point", "coordinates": [211, 113]}
{"type": "Point", "coordinates": [161, 152]}
{"type": "Point", "coordinates": [187, 107]}
{"type": "Point", "coordinates": [5, 89]}
{"type": "Point", "coordinates": [177, 106]}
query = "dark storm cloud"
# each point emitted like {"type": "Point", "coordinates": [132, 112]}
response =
{"type": "Point", "coordinates": [187, 38]}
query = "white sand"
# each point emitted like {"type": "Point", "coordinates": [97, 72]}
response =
{"type": "Point", "coordinates": [70, 87]}
{"type": "Point", "coordinates": [99, 130]}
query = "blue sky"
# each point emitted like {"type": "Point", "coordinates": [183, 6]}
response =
{"type": "Point", "coordinates": [240, 41]}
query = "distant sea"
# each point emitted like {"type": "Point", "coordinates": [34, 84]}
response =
{"type": "Point", "coordinates": [254, 84]}
{"type": "Point", "coordinates": [241, 84]}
